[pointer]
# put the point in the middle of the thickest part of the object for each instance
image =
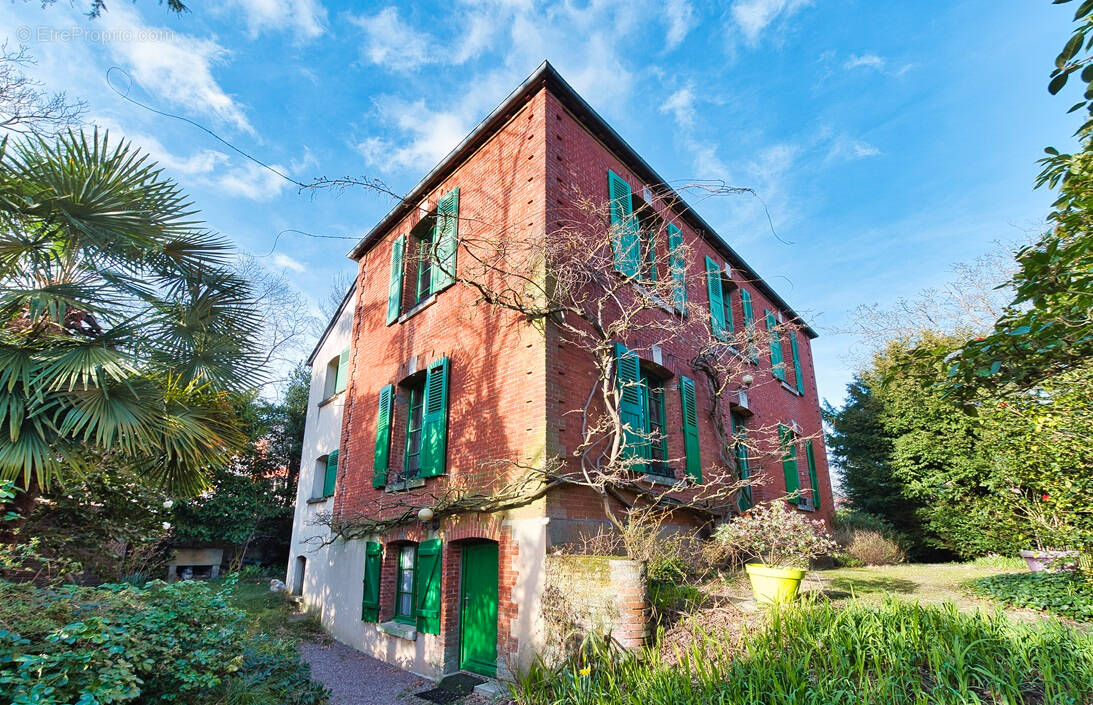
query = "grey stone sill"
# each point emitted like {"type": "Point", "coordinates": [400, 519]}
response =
{"type": "Point", "coordinates": [330, 398]}
{"type": "Point", "coordinates": [399, 630]}
{"type": "Point", "coordinates": [790, 388]}
{"type": "Point", "coordinates": [654, 479]}
{"type": "Point", "coordinates": [411, 484]}
{"type": "Point", "coordinates": [418, 308]}
{"type": "Point", "coordinates": [319, 500]}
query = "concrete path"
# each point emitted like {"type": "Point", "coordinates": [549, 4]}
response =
{"type": "Point", "coordinates": [354, 678]}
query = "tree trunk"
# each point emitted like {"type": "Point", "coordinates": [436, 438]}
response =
{"type": "Point", "coordinates": [21, 505]}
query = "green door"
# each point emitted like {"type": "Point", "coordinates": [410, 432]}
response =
{"type": "Point", "coordinates": [478, 618]}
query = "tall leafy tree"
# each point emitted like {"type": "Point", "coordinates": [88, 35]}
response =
{"type": "Point", "coordinates": [122, 330]}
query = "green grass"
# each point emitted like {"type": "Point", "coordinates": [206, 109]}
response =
{"type": "Point", "coordinates": [932, 583]}
{"type": "Point", "coordinates": [269, 612]}
{"type": "Point", "coordinates": [1068, 595]}
{"type": "Point", "coordinates": [811, 654]}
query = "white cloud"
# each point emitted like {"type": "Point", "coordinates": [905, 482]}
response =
{"type": "Point", "coordinates": [432, 134]}
{"type": "Point", "coordinates": [202, 161]}
{"type": "Point", "coordinates": [681, 105]}
{"type": "Point", "coordinates": [849, 148]}
{"type": "Point", "coordinates": [680, 17]}
{"type": "Point", "coordinates": [390, 42]}
{"type": "Point", "coordinates": [753, 16]}
{"type": "Point", "coordinates": [286, 262]}
{"type": "Point", "coordinates": [306, 19]}
{"type": "Point", "coordinates": [176, 68]}
{"type": "Point", "coordinates": [254, 182]}
{"type": "Point", "coordinates": [865, 60]}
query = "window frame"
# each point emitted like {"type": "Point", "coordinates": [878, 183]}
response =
{"type": "Point", "coordinates": [652, 386]}
{"type": "Point", "coordinates": [424, 238]}
{"type": "Point", "coordinates": [415, 389]}
{"type": "Point", "coordinates": [400, 570]}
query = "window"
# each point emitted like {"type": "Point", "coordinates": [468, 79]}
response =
{"type": "Point", "coordinates": [337, 374]}
{"type": "Point", "coordinates": [424, 262]}
{"type": "Point", "coordinates": [740, 449]}
{"type": "Point", "coordinates": [652, 389]}
{"type": "Point", "coordinates": [421, 239]}
{"type": "Point", "coordinates": [749, 324]}
{"type": "Point", "coordinates": [422, 416]}
{"type": "Point", "coordinates": [777, 364]}
{"type": "Point", "coordinates": [411, 465]}
{"type": "Point", "coordinates": [677, 265]}
{"type": "Point", "coordinates": [404, 584]}
{"type": "Point", "coordinates": [326, 475]}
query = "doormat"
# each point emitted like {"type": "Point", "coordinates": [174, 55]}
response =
{"type": "Point", "coordinates": [451, 688]}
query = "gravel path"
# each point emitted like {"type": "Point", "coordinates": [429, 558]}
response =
{"type": "Point", "coordinates": [354, 678]}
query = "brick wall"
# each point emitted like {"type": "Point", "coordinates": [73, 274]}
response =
{"type": "Point", "coordinates": [597, 594]}
{"type": "Point", "coordinates": [577, 163]}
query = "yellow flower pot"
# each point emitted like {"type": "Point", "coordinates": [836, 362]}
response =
{"type": "Point", "coordinates": [773, 585]}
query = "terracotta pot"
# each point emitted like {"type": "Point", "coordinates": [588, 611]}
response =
{"type": "Point", "coordinates": [1051, 561]}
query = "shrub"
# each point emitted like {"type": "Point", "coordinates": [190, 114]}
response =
{"type": "Point", "coordinates": [895, 654]}
{"type": "Point", "coordinates": [874, 548]}
{"type": "Point", "coordinates": [1065, 594]}
{"type": "Point", "coordinates": [777, 535]}
{"type": "Point", "coordinates": [122, 644]}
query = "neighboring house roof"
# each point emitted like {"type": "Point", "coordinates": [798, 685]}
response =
{"type": "Point", "coordinates": [547, 75]}
{"type": "Point", "coordinates": [333, 319]}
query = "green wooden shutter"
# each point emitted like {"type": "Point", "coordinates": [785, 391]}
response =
{"type": "Point", "coordinates": [434, 423]}
{"type": "Point", "coordinates": [631, 408]}
{"type": "Point", "coordinates": [626, 244]}
{"type": "Point", "coordinates": [394, 287]}
{"type": "Point", "coordinates": [777, 366]}
{"type": "Point", "coordinates": [749, 323]}
{"type": "Point", "coordinates": [812, 474]}
{"type": "Point", "coordinates": [373, 563]}
{"type": "Point", "coordinates": [343, 371]}
{"type": "Point", "coordinates": [740, 449]}
{"type": "Point", "coordinates": [331, 478]}
{"type": "Point", "coordinates": [789, 460]}
{"type": "Point", "coordinates": [382, 458]}
{"type": "Point", "coordinates": [796, 363]}
{"type": "Point", "coordinates": [690, 427]}
{"type": "Point", "coordinates": [678, 266]}
{"type": "Point", "coordinates": [446, 240]}
{"type": "Point", "coordinates": [717, 301]}
{"type": "Point", "coordinates": [427, 586]}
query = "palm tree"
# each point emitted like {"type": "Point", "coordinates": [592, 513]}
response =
{"type": "Point", "coordinates": [123, 333]}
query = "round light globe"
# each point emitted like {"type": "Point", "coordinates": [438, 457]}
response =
{"type": "Point", "coordinates": [425, 514]}
{"type": "Point", "coordinates": [747, 380]}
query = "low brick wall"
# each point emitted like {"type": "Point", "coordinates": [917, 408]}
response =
{"type": "Point", "coordinates": [601, 594]}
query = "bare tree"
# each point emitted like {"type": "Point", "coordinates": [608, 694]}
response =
{"type": "Point", "coordinates": [27, 109]}
{"type": "Point", "coordinates": [600, 281]}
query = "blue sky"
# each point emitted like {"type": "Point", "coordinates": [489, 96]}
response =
{"type": "Point", "coordinates": [888, 140]}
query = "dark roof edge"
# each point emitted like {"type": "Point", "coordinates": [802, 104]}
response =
{"type": "Point", "coordinates": [333, 320]}
{"type": "Point", "coordinates": [547, 75]}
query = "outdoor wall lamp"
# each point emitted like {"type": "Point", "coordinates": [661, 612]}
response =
{"type": "Point", "coordinates": [746, 380]}
{"type": "Point", "coordinates": [426, 515]}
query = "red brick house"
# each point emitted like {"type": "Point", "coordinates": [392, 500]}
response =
{"type": "Point", "coordinates": [435, 386]}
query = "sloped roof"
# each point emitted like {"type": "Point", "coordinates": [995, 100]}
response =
{"type": "Point", "coordinates": [547, 76]}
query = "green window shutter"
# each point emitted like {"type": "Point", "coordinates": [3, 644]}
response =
{"type": "Point", "coordinates": [740, 449]}
{"type": "Point", "coordinates": [717, 301]}
{"type": "Point", "coordinates": [678, 266]}
{"type": "Point", "coordinates": [331, 478]}
{"type": "Point", "coordinates": [631, 408]}
{"type": "Point", "coordinates": [749, 322]}
{"type": "Point", "coordinates": [343, 371]}
{"type": "Point", "coordinates": [690, 427]}
{"type": "Point", "coordinates": [434, 422]}
{"type": "Point", "coordinates": [427, 586]}
{"type": "Point", "coordinates": [777, 366]}
{"type": "Point", "coordinates": [812, 474]}
{"type": "Point", "coordinates": [382, 457]}
{"type": "Point", "coordinates": [446, 240]}
{"type": "Point", "coordinates": [373, 562]}
{"type": "Point", "coordinates": [789, 460]}
{"type": "Point", "coordinates": [796, 363]}
{"type": "Point", "coordinates": [394, 287]}
{"type": "Point", "coordinates": [626, 243]}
